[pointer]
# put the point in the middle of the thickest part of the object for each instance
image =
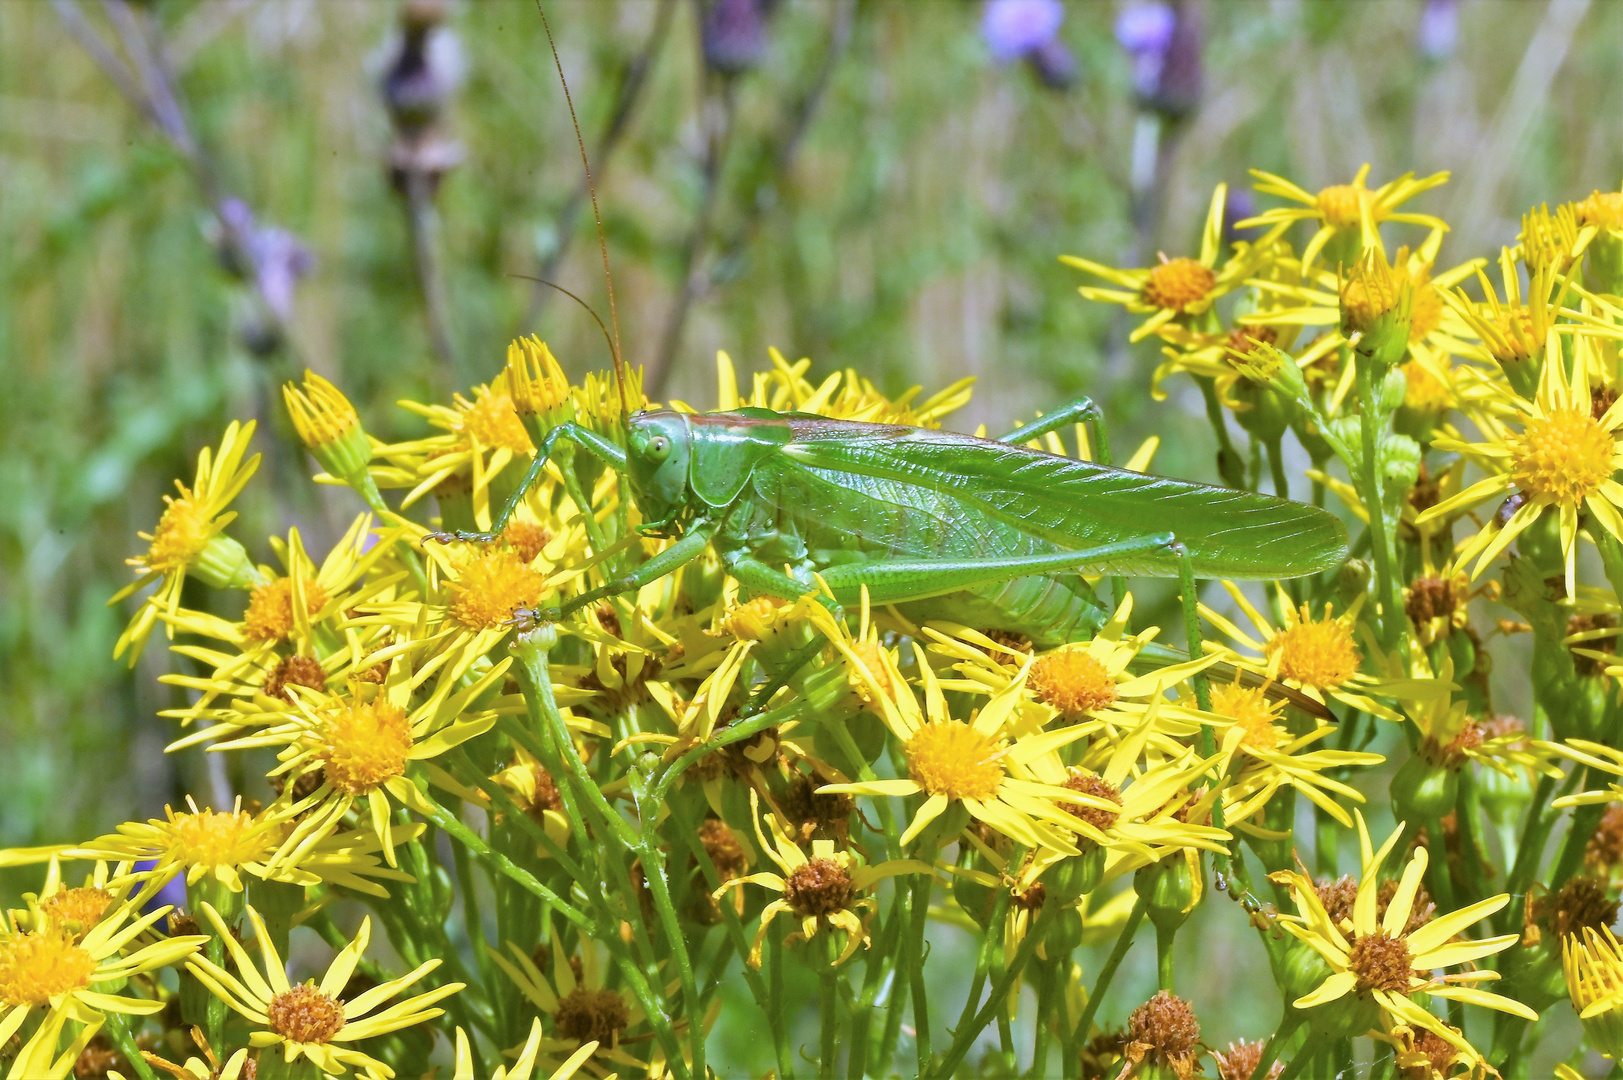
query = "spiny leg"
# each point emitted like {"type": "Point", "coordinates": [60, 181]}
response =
{"type": "Point", "coordinates": [672, 559]}
{"type": "Point", "coordinates": [569, 433]}
{"type": "Point", "coordinates": [1081, 411]}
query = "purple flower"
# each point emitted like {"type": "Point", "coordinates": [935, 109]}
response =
{"type": "Point", "coordinates": [1439, 29]}
{"type": "Point", "coordinates": [1146, 31]}
{"type": "Point", "coordinates": [1017, 28]}
{"type": "Point", "coordinates": [173, 893]}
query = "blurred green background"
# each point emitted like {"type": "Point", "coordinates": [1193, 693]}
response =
{"type": "Point", "coordinates": [237, 189]}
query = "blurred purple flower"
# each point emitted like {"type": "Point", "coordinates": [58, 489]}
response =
{"type": "Point", "coordinates": [1164, 44]}
{"type": "Point", "coordinates": [734, 35]}
{"type": "Point", "coordinates": [173, 893]}
{"type": "Point", "coordinates": [1236, 208]}
{"type": "Point", "coordinates": [1017, 28]}
{"type": "Point", "coordinates": [1145, 32]}
{"type": "Point", "coordinates": [426, 67]}
{"type": "Point", "coordinates": [273, 258]}
{"type": "Point", "coordinates": [1054, 63]}
{"type": "Point", "coordinates": [1439, 29]}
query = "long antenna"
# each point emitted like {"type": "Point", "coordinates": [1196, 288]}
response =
{"type": "Point", "coordinates": [602, 241]}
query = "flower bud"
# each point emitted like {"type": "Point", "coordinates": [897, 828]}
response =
{"type": "Point", "coordinates": [1594, 968]}
{"type": "Point", "coordinates": [1423, 790]}
{"type": "Point", "coordinates": [331, 430]}
{"type": "Point", "coordinates": [734, 35]}
{"type": "Point", "coordinates": [1169, 888]}
{"type": "Point", "coordinates": [1603, 262]}
{"type": "Point", "coordinates": [538, 386]}
{"type": "Point", "coordinates": [1377, 302]}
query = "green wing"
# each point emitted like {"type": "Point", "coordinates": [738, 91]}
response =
{"type": "Point", "coordinates": [1077, 504]}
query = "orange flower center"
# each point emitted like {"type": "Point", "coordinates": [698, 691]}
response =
{"type": "Point", "coordinates": [948, 757]}
{"type": "Point", "coordinates": [1072, 681]}
{"type": "Point", "coordinates": [36, 967]}
{"type": "Point", "coordinates": [1177, 283]}
{"type": "Point", "coordinates": [1562, 457]}
{"type": "Point", "coordinates": [491, 587]}
{"type": "Point", "coordinates": [1380, 962]}
{"type": "Point", "coordinates": [1249, 707]}
{"type": "Point", "coordinates": [270, 608]}
{"type": "Point", "coordinates": [303, 1014]}
{"type": "Point", "coordinates": [1316, 652]}
{"type": "Point", "coordinates": [364, 744]}
{"type": "Point", "coordinates": [527, 538]}
{"type": "Point", "coordinates": [210, 838]}
{"type": "Point", "coordinates": [872, 656]}
{"type": "Point", "coordinates": [818, 887]}
{"type": "Point", "coordinates": [181, 535]}
{"type": "Point", "coordinates": [81, 908]}
{"type": "Point", "coordinates": [490, 420]}
{"type": "Point", "coordinates": [1338, 205]}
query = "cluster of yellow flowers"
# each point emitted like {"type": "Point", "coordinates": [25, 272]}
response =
{"type": "Point", "coordinates": [566, 828]}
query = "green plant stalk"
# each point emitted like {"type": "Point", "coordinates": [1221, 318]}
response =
{"type": "Point", "coordinates": [913, 960]}
{"type": "Point", "coordinates": [965, 1036]}
{"type": "Point", "coordinates": [1584, 821]}
{"type": "Point", "coordinates": [536, 681]}
{"type": "Point", "coordinates": [1118, 952]}
{"type": "Point", "coordinates": [653, 862]}
{"type": "Point", "coordinates": [1302, 1058]}
{"type": "Point", "coordinates": [1394, 620]}
{"type": "Point", "coordinates": [1227, 460]}
{"type": "Point", "coordinates": [735, 931]}
{"type": "Point", "coordinates": [1044, 979]}
{"type": "Point", "coordinates": [1165, 972]}
{"type": "Point", "coordinates": [522, 877]}
{"type": "Point", "coordinates": [473, 920]}
{"type": "Point", "coordinates": [828, 1010]}
{"type": "Point", "coordinates": [873, 978]}
{"type": "Point", "coordinates": [985, 954]}
{"type": "Point", "coordinates": [1442, 882]}
{"type": "Point", "coordinates": [500, 798]}
{"type": "Point", "coordinates": [1287, 1027]}
{"type": "Point", "coordinates": [892, 1033]}
{"type": "Point", "coordinates": [119, 1029]}
{"type": "Point", "coordinates": [774, 993]}
{"type": "Point", "coordinates": [733, 733]}
{"type": "Point", "coordinates": [1528, 852]}
{"type": "Point", "coordinates": [858, 764]}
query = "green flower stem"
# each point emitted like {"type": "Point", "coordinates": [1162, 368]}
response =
{"type": "Point", "coordinates": [1164, 969]}
{"type": "Point", "coordinates": [872, 980]}
{"type": "Point", "coordinates": [896, 1002]}
{"type": "Point", "coordinates": [774, 1011]}
{"type": "Point", "coordinates": [1125, 940]}
{"type": "Point", "coordinates": [1472, 860]}
{"type": "Point", "coordinates": [1531, 849]}
{"type": "Point", "coordinates": [1394, 621]}
{"type": "Point", "coordinates": [543, 751]}
{"type": "Point", "coordinates": [1442, 881]}
{"type": "Point", "coordinates": [460, 762]}
{"type": "Point", "coordinates": [653, 864]}
{"type": "Point", "coordinates": [322, 923]}
{"type": "Point", "coordinates": [1271, 1052]}
{"type": "Point", "coordinates": [474, 922]}
{"type": "Point", "coordinates": [119, 1029]}
{"type": "Point", "coordinates": [1044, 978]}
{"type": "Point", "coordinates": [828, 1000]}
{"type": "Point", "coordinates": [733, 733]}
{"type": "Point", "coordinates": [374, 500]}
{"type": "Point", "coordinates": [966, 1034]}
{"type": "Point", "coordinates": [1303, 1057]}
{"type": "Point", "coordinates": [913, 961]}
{"type": "Point", "coordinates": [987, 952]}
{"type": "Point", "coordinates": [520, 876]}
{"type": "Point", "coordinates": [856, 763]}
{"type": "Point", "coordinates": [735, 933]}
{"type": "Point", "coordinates": [1228, 462]}
{"type": "Point", "coordinates": [654, 1006]}
{"type": "Point", "coordinates": [535, 680]}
